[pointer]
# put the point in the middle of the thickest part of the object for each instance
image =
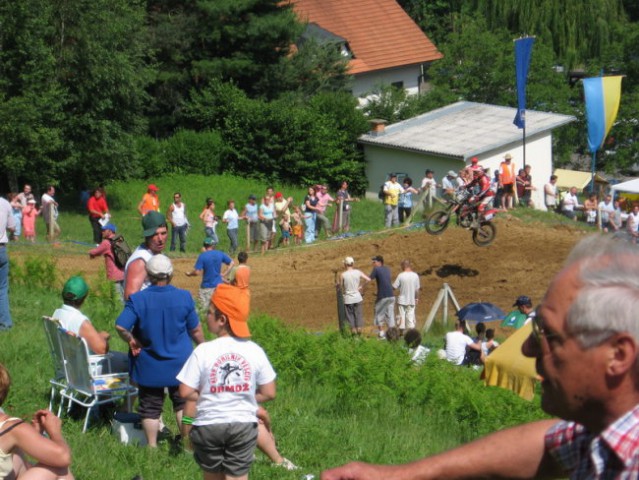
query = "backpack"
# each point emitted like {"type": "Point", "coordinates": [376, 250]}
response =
{"type": "Point", "coordinates": [121, 251]}
{"type": "Point", "coordinates": [380, 194]}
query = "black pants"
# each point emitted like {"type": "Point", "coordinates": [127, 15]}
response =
{"type": "Point", "coordinates": [404, 212]}
{"type": "Point", "coordinates": [97, 229]}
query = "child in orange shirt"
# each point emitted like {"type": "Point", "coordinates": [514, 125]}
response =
{"type": "Point", "coordinates": [29, 214]}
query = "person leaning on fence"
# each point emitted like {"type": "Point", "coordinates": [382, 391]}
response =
{"type": "Point", "coordinates": [40, 439]}
{"type": "Point", "coordinates": [585, 340]}
{"type": "Point", "coordinates": [227, 378]}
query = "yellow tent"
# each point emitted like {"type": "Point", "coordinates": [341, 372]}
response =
{"type": "Point", "coordinates": [572, 178]}
{"type": "Point", "coordinates": [508, 368]}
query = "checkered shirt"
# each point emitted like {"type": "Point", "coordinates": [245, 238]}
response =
{"type": "Point", "coordinates": [614, 453]}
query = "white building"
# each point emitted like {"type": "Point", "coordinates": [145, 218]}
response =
{"type": "Point", "coordinates": [447, 138]}
{"type": "Point", "coordinates": [383, 44]}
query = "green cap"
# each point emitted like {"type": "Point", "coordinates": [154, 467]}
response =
{"type": "Point", "coordinates": [151, 222]}
{"type": "Point", "coordinates": [75, 288]}
{"type": "Point", "coordinates": [208, 241]}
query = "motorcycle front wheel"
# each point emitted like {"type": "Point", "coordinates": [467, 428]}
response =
{"type": "Point", "coordinates": [484, 234]}
{"type": "Point", "coordinates": [437, 222]}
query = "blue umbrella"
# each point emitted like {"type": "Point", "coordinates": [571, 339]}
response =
{"type": "Point", "coordinates": [480, 312]}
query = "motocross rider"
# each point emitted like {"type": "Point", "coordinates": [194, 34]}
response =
{"type": "Point", "coordinates": [484, 195]}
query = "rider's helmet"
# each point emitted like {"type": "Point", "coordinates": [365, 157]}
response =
{"type": "Point", "coordinates": [477, 172]}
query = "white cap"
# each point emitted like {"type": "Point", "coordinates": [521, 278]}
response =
{"type": "Point", "coordinates": [349, 261]}
{"type": "Point", "coordinates": [452, 173]}
{"type": "Point", "coordinates": [159, 266]}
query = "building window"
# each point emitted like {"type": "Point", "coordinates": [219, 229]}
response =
{"type": "Point", "coordinates": [397, 85]}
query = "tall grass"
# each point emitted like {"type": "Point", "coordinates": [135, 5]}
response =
{"type": "Point", "coordinates": [339, 399]}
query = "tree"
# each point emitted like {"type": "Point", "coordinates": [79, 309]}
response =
{"type": "Point", "coordinates": [31, 99]}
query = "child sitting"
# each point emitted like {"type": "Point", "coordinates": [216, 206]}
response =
{"type": "Point", "coordinates": [489, 344]}
{"type": "Point", "coordinates": [416, 350]}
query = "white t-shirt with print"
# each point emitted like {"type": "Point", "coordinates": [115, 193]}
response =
{"type": "Point", "coordinates": [226, 372]}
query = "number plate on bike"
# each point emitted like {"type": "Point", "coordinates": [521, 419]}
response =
{"type": "Point", "coordinates": [489, 216]}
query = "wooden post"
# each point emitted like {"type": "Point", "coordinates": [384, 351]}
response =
{"type": "Point", "coordinates": [445, 294]}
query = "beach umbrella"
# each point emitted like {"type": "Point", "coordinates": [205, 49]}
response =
{"type": "Point", "coordinates": [480, 312]}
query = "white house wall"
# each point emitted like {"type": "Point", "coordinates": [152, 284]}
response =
{"type": "Point", "coordinates": [367, 82]}
{"type": "Point", "coordinates": [381, 161]}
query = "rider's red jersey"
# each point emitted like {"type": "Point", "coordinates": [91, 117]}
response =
{"type": "Point", "coordinates": [484, 186]}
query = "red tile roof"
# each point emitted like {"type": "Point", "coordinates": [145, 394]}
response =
{"type": "Point", "coordinates": [380, 33]}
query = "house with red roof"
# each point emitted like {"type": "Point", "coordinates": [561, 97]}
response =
{"type": "Point", "coordinates": [383, 44]}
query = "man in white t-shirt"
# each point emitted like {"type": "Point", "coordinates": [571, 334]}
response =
{"type": "Point", "coordinates": [450, 184]}
{"type": "Point", "coordinates": [607, 209]}
{"type": "Point", "coordinates": [227, 378]}
{"type": "Point", "coordinates": [351, 280]}
{"type": "Point", "coordinates": [457, 343]}
{"type": "Point", "coordinates": [408, 284]}
{"type": "Point", "coordinates": [632, 224]}
{"type": "Point", "coordinates": [550, 193]}
{"type": "Point", "coordinates": [570, 204]}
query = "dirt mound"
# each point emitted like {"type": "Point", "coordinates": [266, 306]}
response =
{"type": "Point", "coordinates": [297, 284]}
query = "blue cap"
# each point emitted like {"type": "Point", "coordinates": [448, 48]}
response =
{"type": "Point", "coordinates": [110, 226]}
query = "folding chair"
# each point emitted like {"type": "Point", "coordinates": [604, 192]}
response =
{"type": "Point", "coordinates": [58, 382]}
{"type": "Point", "coordinates": [84, 387]}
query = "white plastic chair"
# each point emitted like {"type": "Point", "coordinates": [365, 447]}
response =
{"type": "Point", "coordinates": [84, 387]}
{"type": "Point", "coordinates": [58, 382]}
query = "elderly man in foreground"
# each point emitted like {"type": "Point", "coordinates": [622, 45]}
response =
{"type": "Point", "coordinates": [586, 344]}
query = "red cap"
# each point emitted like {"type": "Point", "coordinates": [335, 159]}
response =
{"type": "Point", "coordinates": [474, 160]}
{"type": "Point", "coordinates": [153, 188]}
{"type": "Point", "coordinates": [278, 195]}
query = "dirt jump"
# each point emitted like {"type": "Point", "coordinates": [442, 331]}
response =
{"type": "Point", "coordinates": [297, 284]}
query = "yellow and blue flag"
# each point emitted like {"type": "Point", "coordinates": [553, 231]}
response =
{"type": "Point", "coordinates": [603, 95]}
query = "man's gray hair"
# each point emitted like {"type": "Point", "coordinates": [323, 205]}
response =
{"type": "Point", "coordinates": [608, 298]}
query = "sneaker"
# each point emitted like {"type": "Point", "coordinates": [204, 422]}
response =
{"type": "Point", "coordinates": [287, 464]}
{"type": "Point", "coordinates": [381, 335]}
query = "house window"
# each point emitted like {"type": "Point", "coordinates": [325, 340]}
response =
{"type": "Point", "coordinates": [397, 85]}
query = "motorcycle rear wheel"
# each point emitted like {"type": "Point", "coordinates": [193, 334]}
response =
{"type": "Point", "coordinates": [437, 222]}
{"type": "Point", "coordinates": [484, 234]}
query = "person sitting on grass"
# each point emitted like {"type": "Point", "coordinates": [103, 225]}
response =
{"type": "Point", "coordinates": [489, 344]}
{"type": "Point", "coordinates": [416, 350]}
{"type": "Point", "coordinates": [19, 438]}
{"type": "Point", "coordinates": [226, 378]}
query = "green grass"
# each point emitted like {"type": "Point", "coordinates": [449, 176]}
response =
{"type": "Point", "coordinates": [339, 399]}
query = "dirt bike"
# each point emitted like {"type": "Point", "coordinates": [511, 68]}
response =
{"type": "Point", "coordinates": [468, 217]}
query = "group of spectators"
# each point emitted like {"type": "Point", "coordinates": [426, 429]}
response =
{"type": "Point", "coordinates": [498, 191]}
{"type": "Point", "coordinates": [607, 214]}
{"type": "Point", "coordinates": [25, 210]}
{"type": "Point", "coordinates": [353, 281]}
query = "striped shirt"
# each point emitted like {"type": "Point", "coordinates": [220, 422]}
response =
{"type": "Point", "coordinates": [614, 453]}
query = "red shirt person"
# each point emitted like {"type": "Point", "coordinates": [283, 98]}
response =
{"type": "Point", "coordinates": [98, 208]}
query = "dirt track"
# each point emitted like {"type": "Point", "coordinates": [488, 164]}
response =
{"type": "Point", "coordinates": [296, 284]}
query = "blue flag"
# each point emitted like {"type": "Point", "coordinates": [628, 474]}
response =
{"type": "Point", "coordinates": [523, 50]}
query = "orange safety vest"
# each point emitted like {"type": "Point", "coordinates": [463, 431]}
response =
{"type": "Point", "coordinates": [150, 203]}
{"type": "Point", "coordinates": [507, 173]}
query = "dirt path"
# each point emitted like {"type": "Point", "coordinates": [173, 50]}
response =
{"type": "Point", "coordinates": [296, 284]}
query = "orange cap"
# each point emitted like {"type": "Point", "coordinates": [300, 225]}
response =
{"type": "Point", "coordinates": [235, 303]}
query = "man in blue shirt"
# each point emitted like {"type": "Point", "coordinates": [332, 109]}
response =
{"type": "Point", "coordinates": [210, 263]}
{"type": "Point", "coordinates": [385, 303]}
{"type": "Point", "coordinates": [159, 323]}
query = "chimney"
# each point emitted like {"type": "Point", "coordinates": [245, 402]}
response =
{"type": "Point", "coordinates": [377, 126]}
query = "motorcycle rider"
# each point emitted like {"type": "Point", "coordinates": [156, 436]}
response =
{"type": "Point", "coordinates": [484, 195]}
